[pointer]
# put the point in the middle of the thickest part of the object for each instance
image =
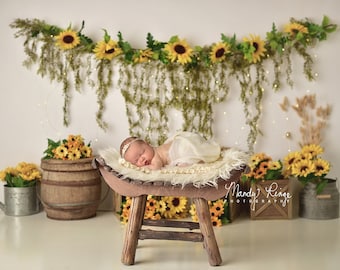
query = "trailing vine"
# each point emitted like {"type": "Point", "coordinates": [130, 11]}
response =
{"type": "Point", "coordinates": [170, 74]}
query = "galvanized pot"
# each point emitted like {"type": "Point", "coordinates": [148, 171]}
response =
{"type": "Point", "coordinates": [319, 206]}
{"type": "Point", "coordinates": [20, 201]}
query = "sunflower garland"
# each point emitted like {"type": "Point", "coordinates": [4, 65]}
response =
{"type": "Point", "coordinates": [64, 53]}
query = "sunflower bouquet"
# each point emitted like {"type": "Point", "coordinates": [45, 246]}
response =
{"type": "Point", "coordinates": [157, 208]}
{"type": "Point", "coordinates": [307, 166]}
{"type": "Point", "coordinates": [72, 148]}
{"type": "Point", "coordinates": [22, 175]}
{"type": "Point", "coordinates": [262, 167]}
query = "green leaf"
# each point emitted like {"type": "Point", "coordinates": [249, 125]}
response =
{"type": "Point", "coordinates": [321, 185]}
{"type": "Point", "coordinates": [107, 37]}
{"type": "Point", "coordinates": [173, 39]}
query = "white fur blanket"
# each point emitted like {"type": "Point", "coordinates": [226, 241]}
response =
{"type": "Point", "coordinates": [197, 174]}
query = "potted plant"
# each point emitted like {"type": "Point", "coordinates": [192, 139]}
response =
{"type": "Point", "coordinates": [269, 191]}
{"type": "Point", "coordinates": [319, 198]}
{"type": "Point", "coordinates": [70, 186]}
{"type": "Point", "coordinates": [20, 189]}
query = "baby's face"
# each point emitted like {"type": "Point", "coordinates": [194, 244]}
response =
{"type": "Point", "coordinates": [139, 154]}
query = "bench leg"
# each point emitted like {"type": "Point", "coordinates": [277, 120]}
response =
{"type": "Point", "coordinates": [132, 230]}
{"type": "Point", "coordinates": [207, 231]}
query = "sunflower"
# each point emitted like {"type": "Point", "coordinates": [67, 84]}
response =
{"type": "Point", "coordinates": [176, 203]}
{"type": "Point", "coordinates": [290, 159]}
{"type": "Point", "coordinates": [218, 52]}
{"type": "Point", "coordinates": [216, 222]}
{"type": "Point", "coordinates": [67, 39]}
{"type": "Point", "coordinates": [75, 141]}
{"type": "Point", "coordinates": [322, 167]}
{"type": "Point", "coordinates": [74, 154]}
{"type": "Point", "coordinates": [264, 166]}
{"type": "Point", "coordinates": [259, 157]}
{"type": "Point", "coordinates": [149, 213]}
{"type": "Point", "coordinates": [142, 56]}
{"type": "Point", "coordinates": [161, 207]}
{"type": "Point", "coordinates": [28, 171]}
{"type": "Point", "coordinates": [169, 212]}
{"type": "Point", "coordinates": [86, 151]}
{"type": "Point", "coordinates": [151, 205]}
{"type": "Point", "coordinates": [217, 209]}
{"type": "Point", "coordinates": [179, 51]}
{"type": "Point", "coordinates": [60, 152]}
{"type": "Point", "coordinates": [124, 219]}
{"type": "Point", "coordinates": [275, 165]}
{"type": "Point", "coordinates": [294, 28]}
{"type": "Point", "coordinates": [193, 213]}
{"type": "Point", "coordinates": [124, 215]}
{"type": "Point", "coordinates": [258, 45]}
{"type": "Point", "coordinates": [303, 168]}
{"type": "Point", "coordinates": [312, 149]}
{"type": "Point", "coordinates": [107, 50]}
{"type": "Point", "coordinates": [259, 173]}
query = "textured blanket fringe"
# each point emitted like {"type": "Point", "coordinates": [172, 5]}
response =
{"type": "Point", "coordinates": [198, 174]}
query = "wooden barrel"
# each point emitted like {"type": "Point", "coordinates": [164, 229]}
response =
{"type": "Point", "coordinates": [319, 206]}
{"type": "Point", "coordinates": [70, 189]}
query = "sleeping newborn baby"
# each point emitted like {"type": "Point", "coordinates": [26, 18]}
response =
{"type": "Point", "coordinates": [183, 149]}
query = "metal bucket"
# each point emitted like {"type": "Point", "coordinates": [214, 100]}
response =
{"type": "Point", "coordinates": [20, 201]}
{"type": "Point", "coordinates": [319, 206]}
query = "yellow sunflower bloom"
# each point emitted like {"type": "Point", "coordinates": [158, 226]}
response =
{"type": "Point", "coordinates": [151, 205]}
{"type": "Point", "coordinates": [143, 56]}
{"type": "Point", "coordinates": [264, 166]}
{"type": "Point", "coordinates": [259, 173]}
{"type": "Point", "coordinates": [303, 168]}
{"type": "Point", "coordinates": [161, 207]}
{"type": "Point", "coordinates": [67, 39]}
{"type": "Point", "coordinates": [176, 203]}
{"type": "Point", "coordinates": [322, 167]}
{"type": "Point", "coordinates": [276, 165]}
{"type": "Point", "coordinates": [219, 51]}
{"type": "Point", "coordinates": [259, 46]}
{"type": "Point", "coordinates": [216, 222]}
{"type": "Point", "coordinates": [312, 149]}
{"type": "Point", "coordinates": [294, 28]}
{"type": "Point", "coordinates": [74, 154]}
{"type": "Point", "coordinates": [61, 152]}
{"type": "Point", "coordinates": [259, 157]}
{"type": "Point", "coordinates": [169, 212]}
{"type": "Point", "coordinates": [179, 51]}
{"type": "Point", "coordinates": [124, 219]}
{"type": "Point", "coordinates": [86, 151]}
{"type": "Point", "coordinates": [290, 159]}
{"type": "Point", "coordinates": [218, 208]}
{"type": "Point", "coordinates": [107, 50]}
{"type": "Point", "coordinates": [193, 213]}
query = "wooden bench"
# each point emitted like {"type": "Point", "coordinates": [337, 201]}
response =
{"type": "Point", "coordinates": [138, 191]}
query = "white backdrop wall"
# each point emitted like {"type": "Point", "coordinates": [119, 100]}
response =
{"type": "Point", "coordinates": [31, 107]}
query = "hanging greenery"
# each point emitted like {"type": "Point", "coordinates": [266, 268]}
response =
{"type": "Point", "coordinates": [170, 74]}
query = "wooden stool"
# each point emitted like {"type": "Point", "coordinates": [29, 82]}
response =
{"type": "Point", "coordinates": [138, 191]}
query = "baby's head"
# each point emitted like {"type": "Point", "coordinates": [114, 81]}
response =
{"type": "Point", "coordinates": [137, 151]}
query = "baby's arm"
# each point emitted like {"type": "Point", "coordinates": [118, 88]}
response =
{"type": "Point", "coordinates": [156, 163]}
